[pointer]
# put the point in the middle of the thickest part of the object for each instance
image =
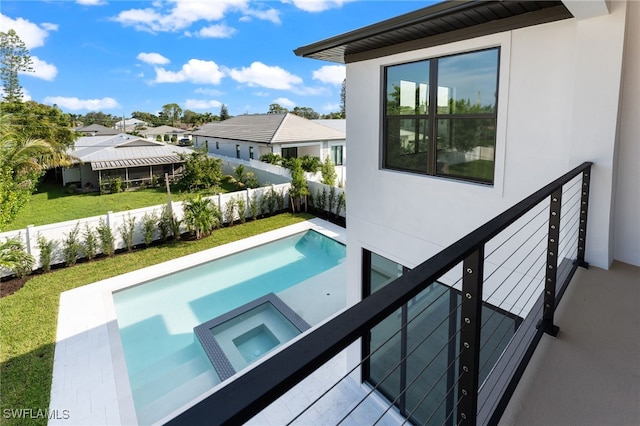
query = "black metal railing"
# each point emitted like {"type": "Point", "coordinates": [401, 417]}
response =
{"type": "Point", "coordinates": [514, 268]}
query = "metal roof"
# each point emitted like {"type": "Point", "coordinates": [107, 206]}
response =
{"type": "Point", "coordinates": [135, 162]}
{"type": "Point", "coordinates": [441, 23]}
{"type": "Point", "coordinates": [108, 152]}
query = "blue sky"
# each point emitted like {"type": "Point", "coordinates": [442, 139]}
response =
{"type": "Point", "coordinates": [123, 56]}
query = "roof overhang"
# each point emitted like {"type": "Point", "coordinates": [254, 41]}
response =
{"type": "Point", "coordinates": [442, 23]}
{"type": "Point", "coordinates": [135, 162]}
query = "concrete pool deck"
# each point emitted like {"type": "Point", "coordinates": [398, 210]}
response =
{"type": "Point", "coordinates": [89, 373]}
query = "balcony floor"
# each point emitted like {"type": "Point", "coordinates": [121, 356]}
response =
{"type": "Point", "coordinates": [590, 373]}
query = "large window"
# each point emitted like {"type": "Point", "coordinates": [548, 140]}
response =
{"type": "Point", "coordinates": [450, 131]}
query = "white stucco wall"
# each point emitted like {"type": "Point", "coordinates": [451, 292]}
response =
{"type": "Point", "coordinates": [559, 93]}
{"type": "Point", "coordinates": [626, 220]}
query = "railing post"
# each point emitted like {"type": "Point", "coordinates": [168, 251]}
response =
{"type": "Point", "coordinates": [471, 317]}
{"type": "Point", "coordinates": [552, 265]}
{"type": "Point", "coordinates": [582, 226]}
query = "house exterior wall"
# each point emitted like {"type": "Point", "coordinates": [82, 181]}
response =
{"type": "Point", "coordinates": [227, 148]}
{"type": "Point", "coordinates": [559, 93]}
{"type": "Point", "coordinates": [627, 192]}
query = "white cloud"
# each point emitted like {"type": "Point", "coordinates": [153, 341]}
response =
{"type": "Point", "coordinates": [152, 58]}
{"type": "Point", "coordinates": [194, 71]}
{"type": "Point", "coordinates": [316, 5]}
{"type": "Point", "coordinates": [271, 15]}
{"type": "Point", "coordinates": [208, 92]}
{"type": "Point", "coordinates": [42, 69]}
{"type": "Point", "coordinates": [331, 74]}
{"type": "Point", "coordinates": [202, 104]}
{"type": "Point", "coordinates": [215, 31]}
{"type": "Point", "coordinates": [91, 2]}
{"type": "Point", "coordinates": [179, 14]}
{"type": "Point", "coordinates": [331, 107]}
{"type": "Point", "coordinates": [284, 102]}
{"type": "Point", "coordinates": [33, 35]}
{"type": "Point", "coordinates": [79, 104]}
{"type": "Point", "coordinates": [271, 77]}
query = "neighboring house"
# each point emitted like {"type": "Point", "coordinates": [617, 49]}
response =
{"type": "Point", "coordinates": [130, 124]}
{"type": "Point", "coordinates": [96, 130]}
{"type": "Point", "coordinates": [251, 136]}
{"type": "Point", "coordinates": [133, 159]}
{"type": "Point", "coordinates": [166, 133]}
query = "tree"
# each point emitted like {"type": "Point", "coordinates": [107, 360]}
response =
{"type": "Point", "coordinates": [99, 117]}
{"type": "Point", "coordinates": [277, 109]}
{"type": "Point", "coordinates": [224, 113]}
{"type": "Point", "coordinates": [147, 117]}
{"type": "Point", "coordinates": [199, 216]}
{"type": "Point", "coordinates": [299, 188]}
{"type": "Point", "coordinates": [38, 121]}
{"type": "Point", "coordinates": [172, 112]}
{"type": "Point", "coordinates": [306, 112]}
{"type": "Point", "coordinates": [200, 171]}
{"type": "Point", "coordinates": [14, 58]}
{"type": "Point", "coordinates": [328, 170]}
{"type": "Point", "coordinates": [23, 159]}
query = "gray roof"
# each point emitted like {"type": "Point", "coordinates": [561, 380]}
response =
{"type": "Point", "coordinates": [270, 128]}
{"type": "Point", "coordinates": [120, 151]}
{"type": "Point", "coordinates": [97, 129]}
{"type": "Point", "coordinates": [338, 124]}
{"type": "Point", "coordinates": [161, 130]}
{"type": "Point", "coordinates": [441, 23]}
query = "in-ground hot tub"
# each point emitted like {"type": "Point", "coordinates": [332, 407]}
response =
{"type": "Point", "coordinates": [237, 338]}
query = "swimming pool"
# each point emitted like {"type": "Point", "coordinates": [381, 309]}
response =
{"type": "Point", "coordinates": [167, 367]}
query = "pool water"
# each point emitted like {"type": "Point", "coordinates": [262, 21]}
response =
{"type": "Point", "coordinates": [167, 367]}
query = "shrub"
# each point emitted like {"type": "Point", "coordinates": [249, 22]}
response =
{"type": "Point", "coordinates": [229, 211]}
{"type": "Point", "coordinates": [332, 199]}
{"type": "Point", "coordinates": [198, 216]}
{"type": "Point", "coordinates": [46, 252]}
{"type": "Point", "coordinates": [342, 203]}
{"type": "Point", "coordinates": [71, 246]}
{"type": "Point", "coordinates": [241, 204]}
{"type": "Point", "coordinates": [105, 235]}
{"type": "Point", "coordinates": [127, 230]}
{"type": "Point", "coordinates": [90, 242]}
{"type": "Point", "coordinates": [254, 206]}
{"type": "Point", "coordinates": [271, 158]}
{"type": "Point", "coordinates": [15, 259]}
{"type": "Point", "coordinates": [116, 185]}
{"type": "Point", "coordinates": [149, 221]}
{"type": "Point", "coordinates": [164, 223]}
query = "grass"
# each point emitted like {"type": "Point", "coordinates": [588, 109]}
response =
{"type": "Point", "coordinates": [29, 316]}
{"type": "Point", "coordinates": [478, 169]}
{"type": "Point", "coordinates": [51, 204]}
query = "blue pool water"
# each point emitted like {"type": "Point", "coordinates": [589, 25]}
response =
{"type": "Point", "coordinates": [166, 366]}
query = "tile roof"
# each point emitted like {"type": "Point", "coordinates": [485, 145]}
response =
{"type": "Point", "coordinates": [270, 128]}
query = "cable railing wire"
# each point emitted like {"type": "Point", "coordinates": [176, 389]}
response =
{"type": "Point", "coordinates": [366, 358]}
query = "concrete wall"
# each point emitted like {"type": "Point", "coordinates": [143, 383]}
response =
{"type": "Point", "coordinates": [559, 96]}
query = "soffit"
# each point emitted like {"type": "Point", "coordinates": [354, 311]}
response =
{"type": "Point", "coordinates": [441, 23]}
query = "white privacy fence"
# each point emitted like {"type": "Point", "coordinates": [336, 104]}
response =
{"type": "Point", "coordinates": [266, 200]}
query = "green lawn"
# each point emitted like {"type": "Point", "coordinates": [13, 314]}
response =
{"type": "Point", "coordinates": [29, 316]}
{"type": "Point", "coordinates": [51, 204]}
{"type": "Point", "coordinates": [479, 169]}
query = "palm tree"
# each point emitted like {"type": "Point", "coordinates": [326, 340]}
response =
{"type": "Point", "coordinates": [199, 216]}
{"type": "Point", "coordinates": [25, 155]}
{"type": "Point", "coordinates": [14, 258]}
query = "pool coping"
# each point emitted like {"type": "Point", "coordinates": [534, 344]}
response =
{"type": "Point", "coordinates": [211, 345]}
{"type": "Point", "coordinates": [89, 372]}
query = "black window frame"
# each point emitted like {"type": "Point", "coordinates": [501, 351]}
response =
{"type": "Point", "coordinates": [237, 151]}
{"type": "Point", "coordinates": [293, 149]}
{"type": "Point", "coordinates": [334, 155]}
{"type": "Point", "coordinates": [432, 118]}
